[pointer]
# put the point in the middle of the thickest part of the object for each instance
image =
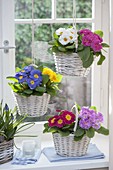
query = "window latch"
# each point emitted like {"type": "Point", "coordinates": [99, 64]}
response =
{"type": "Point", "coordinates": [6, 46]}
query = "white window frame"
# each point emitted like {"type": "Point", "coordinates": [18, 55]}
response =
{"type": "Point", "coordinates": [7, 60]}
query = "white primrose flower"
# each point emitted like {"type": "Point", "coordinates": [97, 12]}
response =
{"type": "Point", "coordinates": [72, 31]}
{"type": "Point", "coordinates": [60, 31]}
{"type": "Point", "coordinates": [64, 39]}
{"type": "Point", "coordinates": [72, 37]}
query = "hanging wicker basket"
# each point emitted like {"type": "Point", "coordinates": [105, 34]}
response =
{"type": "Point", "coordinates": [66, 146]}
{"type": "Point", "coordinates": [6, 151]}
{"type": "Point", "coordinates": [33, 105]}
{"type": "Point", "coordinates": [70, 65]}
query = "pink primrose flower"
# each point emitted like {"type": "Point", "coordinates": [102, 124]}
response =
{"type": "Point", "coordinates": [85, 32]}
{"type": "Point", "coordinates": [87, 39]}
{"type": "Point", "coordinates": [96, 46]}
{"type": "Point", "coordinates": [97, 37]}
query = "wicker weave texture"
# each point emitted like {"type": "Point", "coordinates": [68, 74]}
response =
{"type": "Point", "coordinates": [70, 64]}
{"type": "Point", "coordinates": [32, 105]}
{"type": "Point", "coordinates": [6, 151]}
{"type": "Point", "coordinates": [66, 146]}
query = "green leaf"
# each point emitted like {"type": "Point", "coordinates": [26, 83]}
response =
{"type": "Point", "coordinates": [90, 133]}
{"type": "Point", "coordinates": [51, 91]}
{"type": "Point", "coordinates": [40, 68]}
{"type": "Point", "coordinates": [55, 35]}
{"type": "Point", "coordinates": [103, 131]}
{"type": "Point", "coordinates": [62, 49]}
{"type": "Point", "coordinates": [93, 108]}
{"type": "Point", "coordinates": [64, 133]}
{"type": "Point", "coordinates": [41, 89]}
{"type": "Point", "coordinates": [28, 91]}
{"type": "Point", "coordinates": [18, 69]}
{"type": "Point", "coordinates": [102, 58]}
{"type": "Point", "coordinates": [105, 45]}
{"type": "Point", "coordinates": [12, 79]}
{"type": "Point", "coordinates": [89, 62]}
{"type": "Point", "coordinates": [70, 46]}
{"type": "Point", "coordinates": [84, 54]}
{"type": "Point", "coordinates": [13, 87]}
{"type": "Point", "coordinates": [45, 79]}
{"type": "Point", "coordinates": [79, 132]}
{"type": "Point", "coordinates": [99, 32]}
{"type": "Point", "coordinates": [52, 129]}
{"type": "Point", "coordinates": [80, 47]}
{"type": "Point", "coordinates": [59, 77]}
{"type": "Point", "coordinates": [78, 138]}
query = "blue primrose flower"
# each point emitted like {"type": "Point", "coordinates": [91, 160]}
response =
{"type": "Point", "coordinates": [21, 77]}
{"type": "Point", "coordinates": [27, 69]}
{"type": "Point", "coordinates": [36, 75]}
{"type": "Point", "coordinates": [32, 83]}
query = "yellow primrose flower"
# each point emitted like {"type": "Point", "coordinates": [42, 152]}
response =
{"type": "Point", "coordinates": [52, 75]}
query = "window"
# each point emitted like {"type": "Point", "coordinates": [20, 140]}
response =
{"type": "Point", "coordinates": [52, 18]}
{"type": "Point", "coordinates": [49, 16]}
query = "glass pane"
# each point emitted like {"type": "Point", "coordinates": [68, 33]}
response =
{"type": "Point", "coordinates": [23, 41]}
{"type": "Point", "coordinates": [23, 9]}
{"type": "Point", "coordinates": [81, 92]}
{"type": "Point", "coordinates": [65, 9]}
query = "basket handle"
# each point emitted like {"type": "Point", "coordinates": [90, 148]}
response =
{"type": "Point", "coordinates": [76, 120]}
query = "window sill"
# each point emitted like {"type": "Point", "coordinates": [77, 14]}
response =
{"type": "Point", "coordinates": [43, 163]}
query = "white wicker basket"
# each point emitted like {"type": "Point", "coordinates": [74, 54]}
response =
{"type": "Point", "coordinates": [33, 105]}
{"type": "Point", "coordinates": [70, 64]}
{"type": "Point", "coordinates": [6, 151]}
{"type": "Point", "coordinates": [66, 146]}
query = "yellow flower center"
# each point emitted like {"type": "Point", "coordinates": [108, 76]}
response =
{"type": "Point", "coordinates": [23, 71]}
{"type": "Point", "coordinates": [32, 82]}
{"type": "Point", "coordinates": [61, 33]}
{"type": "Point", "coordinates": [65, 39]}
{"type": "Point", "coordinates": [68, 117]}
{"type": "Point", "coordinates": [20, 77]}
{"type": "Point", "coordinates": [71, 37]}
{"type": "Point", "coordinates": [53, 120]}
{"type": "Point", "coordinates": [36, 75]}
{"type": "Point", "coordinates": [60, 121]}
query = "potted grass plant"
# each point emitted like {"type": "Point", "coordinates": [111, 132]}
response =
{"type": "Point", "coordinates": [10, 125]}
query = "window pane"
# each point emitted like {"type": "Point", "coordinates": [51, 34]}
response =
{"type": "Point", "coordinates": [23, 9]}
{"type": "Point", "coordinates": [65, 9]}
{"type": "Point", "coordinates": [23, 39]}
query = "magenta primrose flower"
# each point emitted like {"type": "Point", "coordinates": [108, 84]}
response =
{"type": "Point", "coordinates": [52, 121]}
{"type": "Point", "coordinates": [68, 117]}
{"type": "Point", "coordinates": [60, 121]}
{"type": "Point", "coordinates": [91, 39]}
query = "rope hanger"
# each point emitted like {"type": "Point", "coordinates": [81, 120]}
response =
{"type": "Point", "coordinates": [33, 57]}
{"type": "Point", "coordinates": [74, 22]}
{"type": "Point", "coordinates": [74, 26]}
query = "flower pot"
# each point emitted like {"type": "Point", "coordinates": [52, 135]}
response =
{"type": "Point", "coordinates": [70, 64]}
{"type": "Point", "coordinates": [6, 151]}
{"type": "Point", "coordinates": [66, 146]}
{"type": "Point", "coordinates": [33, 105]}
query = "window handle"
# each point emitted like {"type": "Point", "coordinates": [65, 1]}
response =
{"type": "Point", "coordinates": [6, 46]}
